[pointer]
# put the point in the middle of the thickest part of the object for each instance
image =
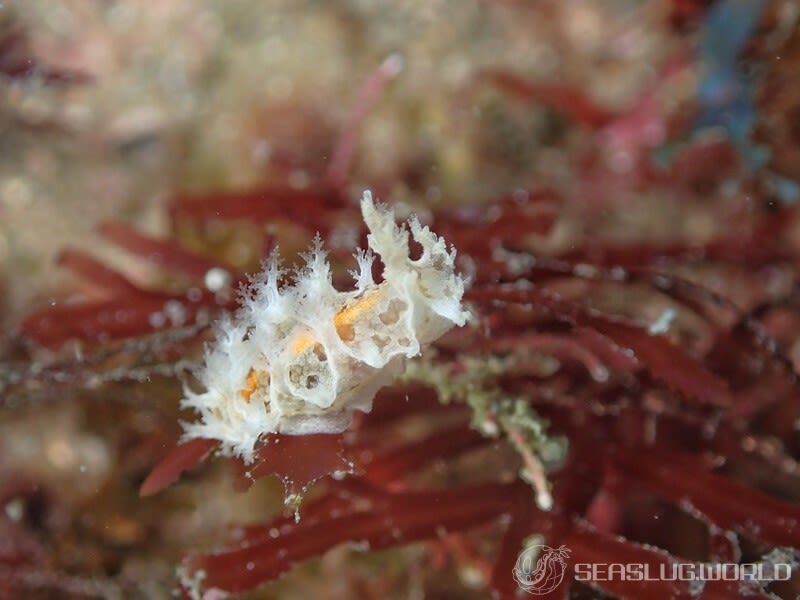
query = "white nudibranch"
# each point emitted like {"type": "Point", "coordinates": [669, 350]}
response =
{"type": "Point", "coordinates": [303, 358]}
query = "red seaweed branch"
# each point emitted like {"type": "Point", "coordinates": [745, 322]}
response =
{"type": "Point", "coordinates": [631, 408]}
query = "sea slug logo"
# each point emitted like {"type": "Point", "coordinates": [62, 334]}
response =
{"type": "Point", "coordinates": [540, 569]}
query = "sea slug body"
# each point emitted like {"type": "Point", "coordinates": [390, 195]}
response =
{"type": "Point", "coordinates": [304, 357]}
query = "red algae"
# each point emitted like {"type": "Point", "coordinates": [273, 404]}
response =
{"type": "Point", "coordinates": [617, 396]}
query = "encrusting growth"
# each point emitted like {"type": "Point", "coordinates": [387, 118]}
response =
{"type": "Point", "coordinates": [304, 357]}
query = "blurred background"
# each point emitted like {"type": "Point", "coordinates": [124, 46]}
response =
{"type": "Point", "coordinates": [651, 121]}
